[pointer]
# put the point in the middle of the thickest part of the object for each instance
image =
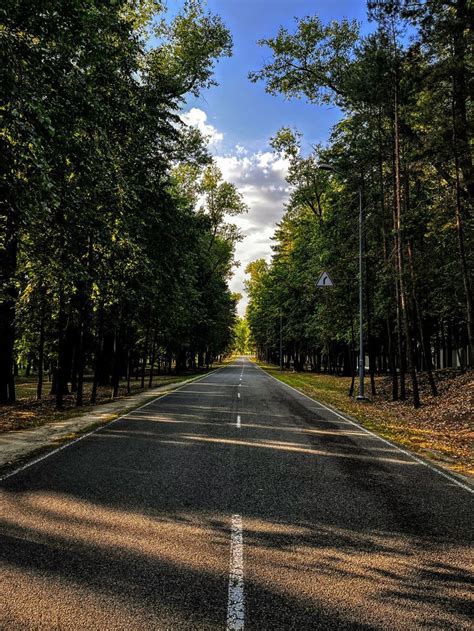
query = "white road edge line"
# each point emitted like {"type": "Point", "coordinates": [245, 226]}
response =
{"type": "Point", "coordinates": [235, 601]}
{"type": "Point", "coordinates": [76, 440]}
{"type": "Point", "coordinates": [238, 421]}
{"type": "Point", "coordinates": [367, 431]}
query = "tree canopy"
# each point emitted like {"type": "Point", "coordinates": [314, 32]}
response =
{"type": "Point", "coordinates": [106, 263]}
{"type": "Point", "coordinates": [405, 142]}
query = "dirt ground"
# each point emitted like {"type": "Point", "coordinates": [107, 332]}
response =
{"type": "Point", "coordinates": [28, 412]}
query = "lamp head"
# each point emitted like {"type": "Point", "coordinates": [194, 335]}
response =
{"type": "Point", "coordinates": [326, 167]}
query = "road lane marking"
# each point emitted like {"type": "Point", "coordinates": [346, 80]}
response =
{"type": "Point", "coordinates": [238, 421]}
{"type": "Point", "coordinates": [235, 601]}
{"type": "Point", "coordinates": [238, 395]}
{"type": "Point", "coordinates": [367, 431]}
{"type": "Point", "coordinates": [50, 453]}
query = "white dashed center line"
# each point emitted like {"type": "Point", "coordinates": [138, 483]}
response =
{"type": "Point", "coordinates": [235, 602]}
{"type": "Point", "coordinates": [238, 421]}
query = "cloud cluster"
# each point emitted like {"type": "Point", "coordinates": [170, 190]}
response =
{"type": "Point", "coordinates": [260, 177]}
{"type": "Point", "coordinates": [197, 118]}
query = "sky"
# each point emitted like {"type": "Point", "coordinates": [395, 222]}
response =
{"type": "Point", "coordinates": [239, 117]}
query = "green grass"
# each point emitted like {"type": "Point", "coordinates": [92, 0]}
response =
{"type": "Point", "coordinates": [26, 386]}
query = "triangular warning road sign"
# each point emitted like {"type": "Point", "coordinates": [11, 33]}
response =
{"type": "Point", "coordinates": [324, 281]}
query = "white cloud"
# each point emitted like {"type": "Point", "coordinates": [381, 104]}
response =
{"type": "Point", "coordinates": [256, 245]}
{"type": "Point", "coordinates": [260, 177]}
{"type": "Point", "coordinates": [197, 118]}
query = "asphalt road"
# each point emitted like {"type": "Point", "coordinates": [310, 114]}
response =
{"type": "Point", "coordinates": [234, 502]}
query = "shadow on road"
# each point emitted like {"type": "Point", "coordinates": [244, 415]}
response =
{"type": "Point", "coordinates": [132, 529]}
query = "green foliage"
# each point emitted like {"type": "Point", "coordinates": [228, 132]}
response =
{"type": "Point", "coordinates": [242, 343]}
{"type": "Point", "coordinates": [105, 261]}
{"type": "Point", "coordinates": [190, 45]}
{"type": "Point", "coordinates": [313, 62]}
{"type": "Point", "coordinates": [404, 142]}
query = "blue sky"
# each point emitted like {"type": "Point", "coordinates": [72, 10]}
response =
{"type": "Point", "coordinates": [239, 117]}
{"type": "Point", "coordinates": [242, 110]}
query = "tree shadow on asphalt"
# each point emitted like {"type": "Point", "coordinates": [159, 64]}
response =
{"type": "Point", "coordinates": [61, 543]}
{"type": "Point", "coordinates": [162, 554]}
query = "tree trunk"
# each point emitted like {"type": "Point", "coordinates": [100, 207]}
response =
{"type": "Point", "coordinates": [117, 369]}
{"type": "Point", "coordinates": [39, 387]}
{"type": "Point", "coordinates": [426, 351]}
{"type": "Point", "coordinates": [460, 221]}
{"type": "Point", "coordinates": [8, 261]}
{"type": "Point", "coordinates": [438, 350]}
{"type": "Point", "coordinates": [74, 363]}
{"type": "Point", "coordinates": [353, 363]}
{"type": "Point", "coordinates": [85, 315]}
{"type": "Point", "coordinates": [152, 361]}
{"type": "Point", "coordinates": [80, 361]}
{"type": "Point", "coordinates": [461, 95]}
{"type": "Point", "coordinates": [145, 356]}
{"type": "Point", "coordinates": [369, 334]}
{"type": "Point", "coordinates": [391, 349]}
{"type": "Point", "coordinates": [98, 355]}
{"type": "Point", "coordinates": [391, 361]}
{"type": "Point", "coordinates": [449, 346]}
{"type": "Point", "coordinates": [129, 369]}
{"type": "Point", "coordinates": [400, 254]}
{"type": "Point", "coordinates": [61, 384]}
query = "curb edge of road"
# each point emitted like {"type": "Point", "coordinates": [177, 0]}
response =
{"type": "Point", "coordinates": [458, 479]}
{"type": "Point", "coordinates": [27, 460]}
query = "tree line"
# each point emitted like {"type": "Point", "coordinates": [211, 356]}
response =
{"type": "Point", "coordinates": [114, 247]}
{"type": "Point", "coordinates": [405, 142]}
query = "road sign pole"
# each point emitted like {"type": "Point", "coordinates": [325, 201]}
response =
{"type": "Point", "coordinates": [361, 394]}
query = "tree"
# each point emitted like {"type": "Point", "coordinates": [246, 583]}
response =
{"type": "Point", "coordinates": [398, 139]}
{"type": "Point", "coordinates": [242, 344]}
{"type": "Point", "coordinates": [102, 253]}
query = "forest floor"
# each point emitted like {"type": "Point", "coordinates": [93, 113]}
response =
{"type": "Point", "coordinates": [28, 412]}
{"type": "Point", "coordinates": [442, 429]}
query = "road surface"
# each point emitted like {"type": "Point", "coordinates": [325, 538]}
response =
{"type": "Point", "coordinates": [234, 502]}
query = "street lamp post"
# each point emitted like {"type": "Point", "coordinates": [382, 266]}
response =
{"type": "Point", "coordinates": [361, 393]}
{"type": "Point", "coordinates": [281, 341]}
